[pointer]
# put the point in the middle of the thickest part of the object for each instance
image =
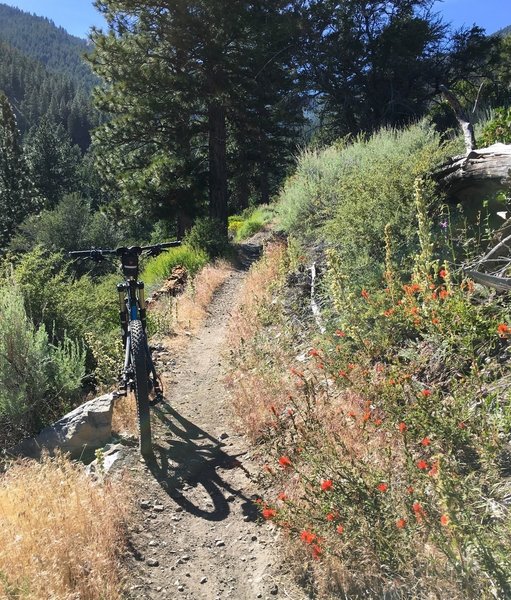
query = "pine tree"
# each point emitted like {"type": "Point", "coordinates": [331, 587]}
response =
{"type": "Point", "coordinates": [17, 198]}
{"type": "Point", "coordinates": [181, 78]}
{"type": "Point", "coordinates": [52, 160]}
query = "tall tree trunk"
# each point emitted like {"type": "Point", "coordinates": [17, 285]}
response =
{"type": "Point", "coordinates": [217, 164]}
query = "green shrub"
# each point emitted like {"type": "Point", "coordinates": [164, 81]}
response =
{"type": "Point", "coordinates": [205, 236]}
{"type": "Point", "coordinates": [72, 225]}
{"type": "Point", "coordinates": [253, 221]}
{"type": "Point", "coordinates": [347, 193]}
{"type": "Point", "coordinates": [498, 129]}
{"type": "Point", "coordinates": [159, 268]}
{"type": "Point", "coordinates": [38, 380]}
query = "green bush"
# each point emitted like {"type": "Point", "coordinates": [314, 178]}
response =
{"type": "Point", "coordinates": [72, 225]}
{"type": "Point", "coordinates": [205, 236]}
{"type": "Point", "coordinates": [159, 268]}
{"type": "Point", "coordinates": [37, 379]}
{"type": "Point", "coordinates": [347, 193]}
{"type": "Point", "coordinates": [254, 221]}
{"type": "Point", "coordinates": [498, 129]}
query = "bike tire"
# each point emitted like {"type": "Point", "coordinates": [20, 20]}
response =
{"type": "Point", "coordinates": [140, 368]}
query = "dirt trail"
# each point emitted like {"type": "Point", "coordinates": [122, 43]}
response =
{"type": "Point", "coordinates": [197, 534]}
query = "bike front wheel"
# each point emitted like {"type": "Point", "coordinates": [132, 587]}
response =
{"type": "Point", "coordinates": [140, 367]}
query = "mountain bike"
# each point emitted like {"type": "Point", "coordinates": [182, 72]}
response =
{"type": "Point", "coordinates": [138, 374]}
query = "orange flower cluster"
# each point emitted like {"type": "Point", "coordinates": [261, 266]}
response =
{"type": "Point", "coordinates": [504, 330]}
{"type": "Point", "coordinates": [285, 461]}
{"type": "Point", "coordinates": [326, 485]}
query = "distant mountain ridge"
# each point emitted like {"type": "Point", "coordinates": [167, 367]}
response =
{"type": "Point", "coordinates": [40, 39]}
{"type": "Point", "coordinates": [43, 74]}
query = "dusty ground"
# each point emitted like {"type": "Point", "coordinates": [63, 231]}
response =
{"type": "Point", "coordinates": [197, 533]}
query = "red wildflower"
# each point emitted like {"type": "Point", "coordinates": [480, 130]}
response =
{"type": "Point", "coordinates": [411, 289]}
{"type": "Point", "coordinates": [422, 465]}
{"type": "Point", "coordinates": [268, 469]}
{"type": "Point", "coordinates": [410, 489]}
{"type": "Point", "coordinates": [443, 294]}
{"type": "Point", "coordinates": [435, 321]}
{"type": "Point", "coordinates": [364, 294]}
{"type": "Point", "coordinates": [327, 485]}
{"type": "Point", "coordinates": [316, 551]}
{"type": "Point", "coordinates": [503, 330]}
{"type": "Point", "coordinates": [307, 536]}
{"type": "Point", "coordinates": [392, 382]}
{"type": "Point", "coordinates": [352, 414]}
{"type": "Point", "coordinates": [382, 487]}
{"type": "Point", "coordinates": [389, 312]}
{"type": "Point", "coordinates": [417, 508]}
{"type": "Point", "coordinates": [402, 427]}
{"type": "Point", "coordinates": [285, 461]}
{"type": "Point", "coordinates": [378, 421]}
{"type": "Point", "coordinates": [339, 333]}
{"type": "Point", "coordinates": [401, 523]}
{"type": "Point", "coordinates": [426, 441]}
{"type": "Point", "coordinates": [330, 517]}
{"type": "Point", "coordinates": [282, 496]}
{"type": "Point", "coordinates": [444, 520]}
{"type": "Point", "coordinates": [269, 513]}
{"type": "Point", "coordinates": [343, 374]}
{"type": "Point", "coordinates": [461, 425]}
{"type": "Point", "coordinates": [296, 372]}
{"type": "Point", "coordinates": [339, 529]}
{"type": "Point", "coordinates": [443, 274]}
{"type": "Point", "coordinates": [426, 393]}
{"type": "Point", "coordinates": [366, 416]}
{"type": "Point", "coordinates": [258, 501]}
{"type": "Point", "coordinates": [314, 352]}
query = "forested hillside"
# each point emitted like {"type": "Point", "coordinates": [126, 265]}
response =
{"type": "Point", "coordinates": [44, 74]}
{"type": "Point", "coordinates": [42, 40]}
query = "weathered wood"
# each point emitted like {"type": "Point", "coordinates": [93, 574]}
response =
{"type": "Point", "coordinates": [477, 174]}
{"type": "Point", "coordinates": [463, 119]}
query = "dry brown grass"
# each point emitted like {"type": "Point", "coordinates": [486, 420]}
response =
{"type": "Point", "coordinates": [256, 398]}
{"type": "Point", "coordinates": [61, 533]}
{"type": "Point", "coordinates": [191, 307]}
{"type": "Point", "coordinates": [124, 415]}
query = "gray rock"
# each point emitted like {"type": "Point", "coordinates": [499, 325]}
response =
{"type": "Point", "coordinates": [152, 562]}
{"type": "Point", "coordinates": [78, 433]}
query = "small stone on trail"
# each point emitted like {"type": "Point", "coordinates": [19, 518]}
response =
{"type": "Point", "coordinates": [203, 580]}
{"type": "Point", "coordinates": [224, 436]}
{"type": "Point", "coordinates": [152, 562]}
{"type": "Point", "coordinates": [274, 590]}
{"type": "Point", "coordinates": [230, 498]}
{"type": "Point", "coordinates": [144, 504]}
{"type": "Point", "coordinates": [158, 507]}
{"type": "Point", "coordinates": [219, 543]}
{"type": "Point", "coordinates": [253, 538]}
{"type": "Point", "coordinates": [153, 543]}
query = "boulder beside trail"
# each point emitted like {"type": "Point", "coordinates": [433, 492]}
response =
{"type": "Point", "coordinates": [78, 433]}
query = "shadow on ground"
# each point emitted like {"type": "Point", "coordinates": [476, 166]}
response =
{"type": "Point", "coordinates": [191, 459]}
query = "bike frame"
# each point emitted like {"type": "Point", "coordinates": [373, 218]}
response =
{"type": "Point", "coordinates": [132, 307]}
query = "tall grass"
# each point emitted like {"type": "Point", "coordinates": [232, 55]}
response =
{"type": "Point", "coordinates": [62, 535]}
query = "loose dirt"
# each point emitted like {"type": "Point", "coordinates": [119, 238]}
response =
{"type": "Point", "coordinates": [197, 532]}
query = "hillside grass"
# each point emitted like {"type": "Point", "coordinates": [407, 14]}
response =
{"type": "Point", "coordinates": [250, 222]}
{"type": "Point", "coordinates": [385, 439]}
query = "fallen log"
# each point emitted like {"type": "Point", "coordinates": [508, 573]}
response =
{"type": "Point", "coordinates": [477, 175]}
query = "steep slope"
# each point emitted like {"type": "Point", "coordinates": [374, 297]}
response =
{"type": "Point", "coordinates": [40, 39]}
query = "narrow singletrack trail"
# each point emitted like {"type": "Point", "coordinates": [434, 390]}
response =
{"type": "Point", "coordinates": [197, 533]}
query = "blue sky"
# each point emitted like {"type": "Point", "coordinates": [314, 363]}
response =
{"type": "Point", "coordinates": [77, 16]}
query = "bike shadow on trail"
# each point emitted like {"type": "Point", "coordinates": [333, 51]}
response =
{"type": "Point", "coordinates": [193, 458]}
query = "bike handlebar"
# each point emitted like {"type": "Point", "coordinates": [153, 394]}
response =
{"type": "Point", "coordinates": [98, 253]}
